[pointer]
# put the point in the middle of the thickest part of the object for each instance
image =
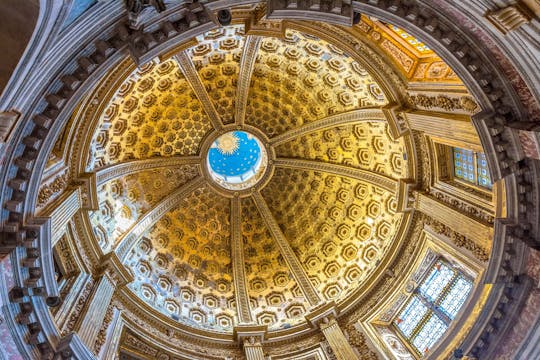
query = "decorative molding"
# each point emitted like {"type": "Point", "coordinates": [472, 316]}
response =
{"type": "Point", "coordinates": [444, 103]}
{"type": "Point", "coordinates": [239, 271]}
{"type": "Point", "coordinates": [118, 170]}
{"type": "Point", "coordinates": [350, 117]}
{"type": "Point", "coordinates": [191, 74]}
{"type": "Point", "coordinates": [247, 63]}
{"type": "Point", "coordinates": [287, 252]}
{"type": "Point", "coordinates": [340, 170]}
{"type": "Point", "coordinates": [52, 188]}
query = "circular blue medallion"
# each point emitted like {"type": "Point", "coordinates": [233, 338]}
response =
{"type": "Point", "coordinates": [236, 159]}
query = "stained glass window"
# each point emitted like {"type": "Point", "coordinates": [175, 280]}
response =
{"type": "Point", "coordinates": [482, 171]}
{"type": "Point", "coordinates": [456, 297]}
{"type": "Point", "coordinates": [411, 316]}
{"type": "Point", "coordinates": [434, 304]}
{"type": "Point", "coordinates": [436, 281]}
{"type": "Point", "coordinates": [472, 167]}
{"type": "Point", "coordinates": [428, 335]}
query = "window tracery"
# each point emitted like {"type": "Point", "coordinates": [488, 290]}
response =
{"type": "Point", "coordinates": [471, 167]}
{"type": "Point", "coordinates": [434, 304]}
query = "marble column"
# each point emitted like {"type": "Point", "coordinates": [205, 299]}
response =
{"type": "Point", "coordinates": [337, 340]}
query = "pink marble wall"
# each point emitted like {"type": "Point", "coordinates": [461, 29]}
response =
{"type": "Point", "coordinates": [7, 345]}
{"type": "Point", "coordinates": [505, 64]}
{"type": "Point", "coordinates": [529, 315]}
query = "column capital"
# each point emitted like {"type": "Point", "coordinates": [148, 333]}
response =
{"type": "Point", "coordinates": [250, 333]}
{"type": "Point", "coordinates": [322, 315]}
{"type": "Point", "coordinates": [397, 124]}
{"type": "Point", "coordinates": [114, 269]}
{"type": "Point", "coordinates": [87, 183]}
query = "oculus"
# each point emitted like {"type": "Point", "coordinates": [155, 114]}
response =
{"type": "Point", "coordinates": [236, 160]}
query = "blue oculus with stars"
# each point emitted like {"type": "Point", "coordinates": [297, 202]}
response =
{"type": "Point", "coordinates": [235, 156]}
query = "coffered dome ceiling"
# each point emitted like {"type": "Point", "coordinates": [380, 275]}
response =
{"type": "Point", "coordinates": [314, 228]}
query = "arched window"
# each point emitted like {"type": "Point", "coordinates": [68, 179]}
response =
{"type": "Point", "coordinates": [471, 167]}
{"type": "Point", "coordinates": [426, 316]}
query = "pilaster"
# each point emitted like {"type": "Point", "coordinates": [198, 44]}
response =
{"type": "Point", "coordinates": [70, 203]}
{"type": "Point", "coordinates": [336, 339]}
{"type": "Point", "coordinates": [114, 275]}
{"type": "Point", "coordinates": [510, 17]}
{"type": "Point", "coordinates": [110, 348]}
{"type": "Point", "coordinates": [324, 318]}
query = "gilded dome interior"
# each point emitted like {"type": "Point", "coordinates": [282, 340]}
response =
{"type": "Point", "coordinates": [269, 180]}
{"type": "Point", "coordinates": [307, 99]}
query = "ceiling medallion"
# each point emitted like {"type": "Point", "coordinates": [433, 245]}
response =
{"type": "Point", "coordinates": [236, 160]}
{"type": "Point", "coordinates": [227, 144]}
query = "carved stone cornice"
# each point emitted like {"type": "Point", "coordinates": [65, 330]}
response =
{"type": "Point", "coordinates": [370, 177]}
{"type": "Point", "coordinates": [288, 254]}
{"type": "Point", "coordinates": [191, 74]}
{"type": "Point", "coordinates": [337, 12]}
{"type": "Point", "coordinates": [118, 170]}
{"type": "Point", "coordinates": [486, 80]}
{"type": "Point", "coordinates": [247, 63]}
{"type": "Point", "coordinates": [346, 118]}
{"type": "Point", "coordinates": [510, 17]}
{"type": "Point", "coordinates": [129, 239]}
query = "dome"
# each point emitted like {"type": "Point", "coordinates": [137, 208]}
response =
{"type": "Point", "coordinates": [328, 193]}
{"type": "Point", "coordinates": [269, 180]}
